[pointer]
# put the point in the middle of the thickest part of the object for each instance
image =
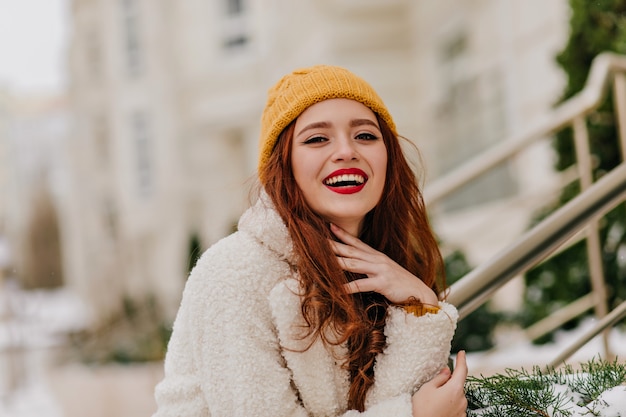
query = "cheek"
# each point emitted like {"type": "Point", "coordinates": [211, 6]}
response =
{"type": "Point", "coordinates": [305, 165]}
{"type": "Point", "coordinates": [381, 164]}
{"type": "Point", "coordinates": [299, 169]}
{"type": "Point", "coordinates": [382, 179]}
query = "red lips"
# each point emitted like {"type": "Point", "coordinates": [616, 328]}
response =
{"type": "Point", "coordinates": [346, 181]}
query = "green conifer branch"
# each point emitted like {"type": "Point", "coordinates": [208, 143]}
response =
{"type": "Point", "coordinates": [551, 393]}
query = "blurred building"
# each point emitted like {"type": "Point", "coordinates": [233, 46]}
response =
{"type": "Point", "coordinates": [32, 185]}
{"type": "Point", "coordinates": [167, 96]}
{"type": "Point", "coordinates": [4, 183]}
{"type": "Point", "coordinates": [486, 71]}
{"type": "Point", "coordinates": [4, 155]}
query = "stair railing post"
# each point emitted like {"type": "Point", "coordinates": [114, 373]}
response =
{"type": "Point", "coordinates": [594, 247]}
{"type": "Point", "coordinates": [619, 97]}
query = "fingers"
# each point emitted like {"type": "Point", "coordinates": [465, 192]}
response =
{"type": "Point", "coordinates": [340, 233]}
{"type": "Point", "coordinates": [346, 251]}
{"type": "Point", "coordinates": [457, 377]}
{"type": "Point", "coordinates": [357, 265]}
{"type": "Point", "coordinates": [348, 239]}
{"type": "Point", "coordinates": [356, 256]}
{"type": "Point", "coordinates": [384, 276]}
{"type": "Point", "coordinates": [441, 378]}
{"type": "Point", "coordinates": [460, 369]}
{"type": "Point", "coordinates": [361, 285]}
{"type": "Point", "coordinates": [352, 287]}
{"type": "Point", "coordinates": [444, 395]}
{"type": "Point", "coordinates": [397, 285]}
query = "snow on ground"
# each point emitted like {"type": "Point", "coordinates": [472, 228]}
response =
{"type": "Point", "coordinates": [40, 318]}
{"type": "Point", "coordinates": [611, 403]}
{"type": "Point", "coordinates": [32, 400]}
{"type": "Point", "coordinates": [519, 353]}
{"type": "Point", "coordinates": [33, 322]}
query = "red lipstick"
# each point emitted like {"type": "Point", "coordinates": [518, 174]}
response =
{"type": "Point", "coordinates": [346, 181]}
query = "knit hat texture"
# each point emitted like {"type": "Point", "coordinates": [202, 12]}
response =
{"type": "Point", "coordinates": [304, 87]}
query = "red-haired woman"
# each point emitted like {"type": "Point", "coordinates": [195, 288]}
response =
{"type": "Point", "coordinates": [324, 302]}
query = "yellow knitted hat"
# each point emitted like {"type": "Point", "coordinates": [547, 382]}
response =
{"type": "Point", "coordinates": [304, 87]}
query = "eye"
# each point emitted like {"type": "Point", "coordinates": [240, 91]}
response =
{"type": "Point", "coordinates": [315, 139]}
{"type": "Point", "coordinates": [366, 136]}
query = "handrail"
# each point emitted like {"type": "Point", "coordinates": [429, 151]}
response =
{"type": "Point", "coordinates": [579, 215]}
{"type": "Point", "coordinates": [558, 318]}
{"type": "Point", "coordinates": [603, 66]}
{"type": "Point", "coordinates": [475, 287]}
{"type": "Point", "coordinates": [609, 320]}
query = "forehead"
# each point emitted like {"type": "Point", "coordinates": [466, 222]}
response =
{"type": "Point", "coordinates": [335, 109]}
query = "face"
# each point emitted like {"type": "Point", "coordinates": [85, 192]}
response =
{"type": "Point", "coordinates": [339, 161]}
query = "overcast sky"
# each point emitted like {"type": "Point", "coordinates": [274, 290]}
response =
{"type": "Point", "coordinates": [33, 37]}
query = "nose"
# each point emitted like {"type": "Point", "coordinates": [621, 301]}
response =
{"type": "Point", "coordinates": [345, 149]}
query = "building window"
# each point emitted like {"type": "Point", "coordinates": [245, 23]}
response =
{"type": "Point", "coordinates": [93, 54]}
{"type": "Point", "coordinates": [142, 140]}
{"type": "Point", "coordinates": [234, 7]}
{"type": "Point", "coordinates": [472, 119]}
{"type": "Point", "coordinates": [110, 218]}
{"type": "Point", "coordinates": [132, 44]}
{"type": "Point", "coordinates": [102, 140]}
{"type": "Point", "coordinates": [235, 25]}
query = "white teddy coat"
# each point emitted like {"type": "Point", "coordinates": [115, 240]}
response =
{"type": "Point", "coordinates": [235, 349]}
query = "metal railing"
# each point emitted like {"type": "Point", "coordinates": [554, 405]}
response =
{"type": "Point", "coordinates": [540, 241]}
{"type": "Point", "coordinates": [580, 214]}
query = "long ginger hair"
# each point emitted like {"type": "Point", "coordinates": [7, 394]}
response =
{"type": "Point", "coordinates": [398, 226]}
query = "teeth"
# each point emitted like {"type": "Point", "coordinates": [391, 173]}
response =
{"type": "Point", "coordinates": [345, 178]}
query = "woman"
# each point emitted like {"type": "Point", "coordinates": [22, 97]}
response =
{"type": "Point", "coordinates": [324, 302]}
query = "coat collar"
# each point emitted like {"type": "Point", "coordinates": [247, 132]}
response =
{"type": "Point", "coordinates": [316, 371]}
{"type": "Point", "coordinates": [264, 223]}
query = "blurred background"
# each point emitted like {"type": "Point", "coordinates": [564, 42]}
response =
{"type": "Point", "coordinates": [128, 145]}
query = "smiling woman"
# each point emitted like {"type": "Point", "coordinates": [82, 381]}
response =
{"type": "Point", "coordinates": [324, 302]}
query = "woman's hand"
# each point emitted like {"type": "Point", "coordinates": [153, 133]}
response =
{"type": "Point", "coordinates": [444, 395]}
{"type": "Point", "coordinates": [384, 276]}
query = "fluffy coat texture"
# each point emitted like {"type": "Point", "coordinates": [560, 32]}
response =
{"type": "Point", "coordinates": [237, 350]}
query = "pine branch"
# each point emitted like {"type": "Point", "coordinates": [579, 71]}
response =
{"type": "Point", "coordinates": [554, 393]}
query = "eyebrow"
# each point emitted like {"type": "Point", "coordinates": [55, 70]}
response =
{"type": "Point", "coordinates": [314, 125]}
{"type": "Point", "coordinates": [362, 122]}
{"type": "Point", "coordinates": [326, 125]}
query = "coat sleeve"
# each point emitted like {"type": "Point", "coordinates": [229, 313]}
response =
{"type": "Point", "coordinates": [417, 349]}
